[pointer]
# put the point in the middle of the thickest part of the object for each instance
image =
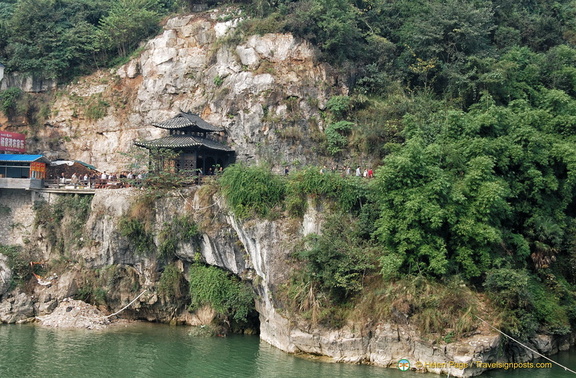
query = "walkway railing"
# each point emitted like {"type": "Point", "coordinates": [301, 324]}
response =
{"type": "Point", "coordinates": [116, 183]}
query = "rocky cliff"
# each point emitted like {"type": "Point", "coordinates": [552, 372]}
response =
{"type": "Point", "coordinates": [257, 251]}
{"type": "Point", "coordinates": [268, 92]}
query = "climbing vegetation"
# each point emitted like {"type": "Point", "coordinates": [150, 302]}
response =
{"type": "Point", "coordinates": [138, 224]}
{"type": "Point", "coordinates": [141, 239]}
{"type": "Point", "coordinates": [19, 259]}
{"type": "Point", "coordinates": [9, 100]}
{"type": "Point", "coordinates": [226, 293]}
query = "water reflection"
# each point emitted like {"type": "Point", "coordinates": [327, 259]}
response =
{"type": "Point", "coordinates": [150, 350]}
{"type": "Point", "coordinates": [144, 350]}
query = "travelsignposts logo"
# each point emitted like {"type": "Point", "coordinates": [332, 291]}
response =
{"type": "Point", "coordinates": [403, 365]}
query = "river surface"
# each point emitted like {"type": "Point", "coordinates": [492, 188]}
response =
{"type": "Point", "coordinates": [152, 350]}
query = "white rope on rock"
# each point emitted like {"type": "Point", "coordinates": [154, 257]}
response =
{"type": "Point", "coordinates": [525, 346]}
{"type": "Point", "coordinates": [217, 202]}
{"type": "Point", "coordinates": [128, 305]}
{"type": "Point", "coordinates": [206, 207]}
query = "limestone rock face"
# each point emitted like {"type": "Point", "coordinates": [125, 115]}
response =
{"type": "Point", "coordinates": [266, 91]}
{"type": "Point", "coordinates": [17, 307]}
{"type": "Point", "coordinates": [25, 82]}
{"type": "Point", "coordinates": [5, 275]}
{"type": "Point", "coordinates": [17, 216]}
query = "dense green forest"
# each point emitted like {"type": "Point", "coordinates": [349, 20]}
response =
{"type": "Point", "coordinates": [468, 108]}
{"type": "Point", "coordinates": [60, 39]}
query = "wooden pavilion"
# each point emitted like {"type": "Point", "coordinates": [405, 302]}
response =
{"type": "Point", "coordinates": [198, 145]}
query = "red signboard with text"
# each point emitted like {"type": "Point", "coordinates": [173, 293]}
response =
{"type": "Point", "coordinates": [37, 170]}
{"type": "Point", "coordinates": [12, 142]}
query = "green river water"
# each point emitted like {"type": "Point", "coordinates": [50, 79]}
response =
{"type": "Point", "coordinates": [152, 350]}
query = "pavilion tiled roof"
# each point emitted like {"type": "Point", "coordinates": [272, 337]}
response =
{"type": "Point", "coordinates": [183, 141]}
{"type": "Point", "coordinates": [184, 119]}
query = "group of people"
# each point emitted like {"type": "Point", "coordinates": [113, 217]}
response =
{"type": "Point", "coordinates": [123, 179]}
{"type": "Point", "coordinates": [101, 180]}
{"type": "Point", "coordinates": [127, 179]}
{"type": "Point", "coordinates": [347, 171]}
{"type": "Point", "coordinates": [120, 180]}
{"type": "Point", "coordinates": [367, 173]}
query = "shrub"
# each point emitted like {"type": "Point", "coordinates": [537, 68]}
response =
{"type": "Point", "coordinates": [273, 23]}
{"type": "Point", "coordinates": [509, 287]}
{"type": "Point", "coordinates": [224, 292]}
{"type": "Point", "coordinates": [96, 108]}
{"type": "Point", "coordinates": [252, 191]}
{"type": "Point", "coordinates": [9, 99]}
{"type": "Point", "coordinates": [547, 309]}
{"type": "Point", "coordinates": [337, 260]}
{"type": "Point", "coordinates": [347, 192]}
{"type": "Point", "coordinates": [339, 106]}
{"type": "Point", "coordinates": [526, 303]}
{"type": "Point", "coordinates": [135, 230]}
{"type": "Point", "coordinates": [91, 294]}
{"type": "Point", "coordinates": [336, 136]}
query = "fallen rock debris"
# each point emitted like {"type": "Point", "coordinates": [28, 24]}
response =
{"type": "Point", "coordinates": [72, 313]}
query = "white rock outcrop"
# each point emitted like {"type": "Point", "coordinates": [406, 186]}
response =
{"type": "Point", "coordinates": [72, 313]}
{"type": "Point", "coordinates": [5, 275]}
{"type": "Point", "coordinates": [245, 87]}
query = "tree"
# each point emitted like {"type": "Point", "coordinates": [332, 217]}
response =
{"type": "Point", "coordinates": [336, 261]}
{"type": "Point", "coordinates": [331, 24]}
{"type": "Point", "coordinates": [128, 22]}
{"type": "Point", "coordinates": [50, 38]}
{"type": "Point", "coordinates": [472, 191]}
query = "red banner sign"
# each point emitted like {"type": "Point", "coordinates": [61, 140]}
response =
{"type": "Point", "coordinates": [12, 142]}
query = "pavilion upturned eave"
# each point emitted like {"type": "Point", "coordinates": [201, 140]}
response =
{"type": "Point", "coordinates": [183, 142]}
{"type": "Point", "coordinates": [188, 121]}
